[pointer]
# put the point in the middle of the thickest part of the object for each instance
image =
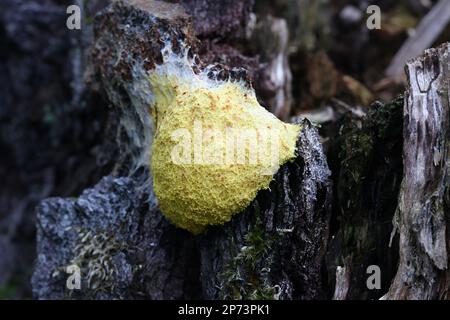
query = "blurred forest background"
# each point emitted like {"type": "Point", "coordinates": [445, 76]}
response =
{"type": "Point", "coordinates": [54, 131]}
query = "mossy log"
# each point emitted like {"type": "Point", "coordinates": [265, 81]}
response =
{"type": "Point", "coordinates": [366, 160]}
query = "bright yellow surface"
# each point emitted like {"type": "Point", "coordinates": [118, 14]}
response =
{"type": "Point", "coordinates": [218, 175]}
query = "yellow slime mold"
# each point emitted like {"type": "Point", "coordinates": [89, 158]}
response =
{"type": "Point", "coordinates": [214, 148]}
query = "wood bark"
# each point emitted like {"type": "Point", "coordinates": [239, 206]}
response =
{"type": "Point", "coordinates": [423, 216]}
{"type": "Point", "coordinates": [276, 248]}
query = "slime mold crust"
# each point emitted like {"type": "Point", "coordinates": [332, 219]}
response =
{"type": "Point", "coordinates": [214, 146]}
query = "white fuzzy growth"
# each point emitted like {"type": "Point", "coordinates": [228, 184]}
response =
{"type": "Point", "coordinates": [181, 67]}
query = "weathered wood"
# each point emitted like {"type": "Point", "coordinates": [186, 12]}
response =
{"type": "Point", "coordinates": [342, 283]}
{"type": "Point", "coordinates": [423, 218]}
{"type": "Point", "coordinates": [119, 240]}
{"type": "Point", "coordinates": [269, 39]}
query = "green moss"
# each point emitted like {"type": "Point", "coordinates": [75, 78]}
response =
{"type": "Point", "coordinates": [384, 119]}
{"type": "Point", "coordinates": [94, 256]}
{"type": "Point", "coordinates": [365, 148]}
{"type": "Point", "coordinates": [246, 276]}
{"type": "Point", "coordinates": [8, 290]}
{"type": "Point", "coordinates": [359, 144]}
{"type": "Point", "coordinates": [15, 287]}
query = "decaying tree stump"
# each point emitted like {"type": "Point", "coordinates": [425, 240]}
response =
{"type": "Point", "coordinates": [369, 175]}
{"type": "Point", "coordinates": [284, 245]}
{"type": "Point", "coordinates": [276, 247]}
{"type": "Point", "coordinates": [423, 216]}
{"type": "Point", "coordinates": [115, 233]}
